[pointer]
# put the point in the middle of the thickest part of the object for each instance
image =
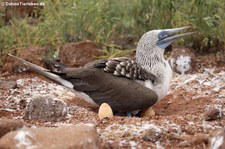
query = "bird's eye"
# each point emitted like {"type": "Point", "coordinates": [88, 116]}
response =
{"type": "Point", "coordinates": [162, 35]}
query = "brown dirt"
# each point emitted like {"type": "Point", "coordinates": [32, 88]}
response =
{"type": "Point", "coordinates": [73, 54]}
{"type": "Point", "coordinates": [32, 54]}
{"type": "Point", "coordinates": [180, 116]}
{"type": "Point", "coordinates": [79, 53]}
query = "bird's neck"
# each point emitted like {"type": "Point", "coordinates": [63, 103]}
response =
{"type": "Point", "coordinates": [152, 61]}
{"type": "Point", "coordinates": [155, 63]}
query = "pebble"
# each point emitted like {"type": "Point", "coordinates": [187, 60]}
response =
{"type": "Point", "coordinates": [7, 84]}
{"type": "Point", "coordinates": [213, 113]}
{"type": "Point", "coordinates": [152, 135]}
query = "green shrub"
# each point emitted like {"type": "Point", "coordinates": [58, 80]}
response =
{"type": "Point", "coordinates": [99, 21]}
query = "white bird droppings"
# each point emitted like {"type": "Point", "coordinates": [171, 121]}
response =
{"type": "Point", "coordinates": [183, 63]}
{"type": "Point", "coordinates": [25, 139]}
{"type": "Point", "coordinates": [217, 142]}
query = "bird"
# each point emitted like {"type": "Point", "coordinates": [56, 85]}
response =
{"type": "Point", "coordinates": [126, 85]}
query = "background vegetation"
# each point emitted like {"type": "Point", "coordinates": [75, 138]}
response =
{"type": "Point", "coordinates": [99, 21]}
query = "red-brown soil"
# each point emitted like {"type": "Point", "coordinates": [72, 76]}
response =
{"type": "Point", "coordinates": [181, 121]}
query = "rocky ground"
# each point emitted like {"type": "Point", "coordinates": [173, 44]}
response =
{"type": "Point", "coordinates": [190, 116]}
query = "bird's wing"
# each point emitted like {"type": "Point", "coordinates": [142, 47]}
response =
{"type": "Point", "coordinates": [125, 67]}
{"type": "Point", "coordinates": [122, 94]}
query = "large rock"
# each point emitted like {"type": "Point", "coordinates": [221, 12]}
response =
{"type": "Point", "coordinates": [7, 125]}
{"type": "Point", "coordinates": [44, 108]}
{"type": "Point", "coordinates": [65, 137]}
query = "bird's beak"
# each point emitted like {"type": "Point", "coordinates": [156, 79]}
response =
{"type": "Point", "coordinates": [167, 36]}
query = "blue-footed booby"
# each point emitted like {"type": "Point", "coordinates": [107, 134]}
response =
{"type": "Point", "coordinates": [126, 85]}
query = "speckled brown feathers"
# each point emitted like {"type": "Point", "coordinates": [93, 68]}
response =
{"type": "Point", "coordinates": [125, 67]}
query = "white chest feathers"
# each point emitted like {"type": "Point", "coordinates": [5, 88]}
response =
{"type": "Point", "coordinates": [162, 87]}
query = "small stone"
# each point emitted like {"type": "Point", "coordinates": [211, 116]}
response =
{"type": "Point", "coordinates": [152, 135]}
{"type": "Point", "coordinates": [7, 125]}
{"type": "Point", "coordinates": [213, 113]}
{"type": "Point", "coordinates": [184, 144]}
{"type": "Point", "coordinates": [7, 84]}
{"type": "Point", "coordinates": [22, 104]}
{"type": "Point", "coordinates": [64, 137]}
{"type": "Point", "coordinates": [105, 111]}
{"type": "Point", "coordinates": [148, 113]}
{"type": "Point", "coordinates": [190, 140]}
{"type": "Point", "coordinates": [45, 108]}
{"type": "Point", "coordinates": [200, 138]}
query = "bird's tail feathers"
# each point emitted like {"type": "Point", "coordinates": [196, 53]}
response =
{"type": "Point", "coordinates": [44, 72]}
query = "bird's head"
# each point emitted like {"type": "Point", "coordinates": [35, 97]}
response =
{"type": "Point", "coordinates": [161, 38]}
{"type": "Point", "coordinates": [151, 46]}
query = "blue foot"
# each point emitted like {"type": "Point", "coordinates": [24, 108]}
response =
{"type": "Point", "coordinates": [129, 114]}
